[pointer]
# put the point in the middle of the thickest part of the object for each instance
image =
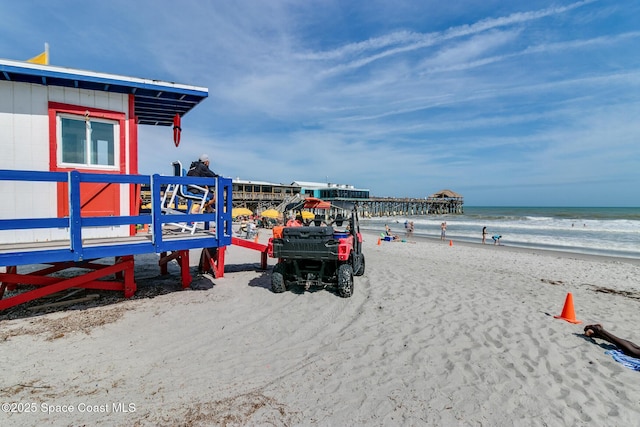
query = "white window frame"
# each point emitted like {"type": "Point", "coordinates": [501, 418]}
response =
{"type": "Point", "coordinates": [116, 143]}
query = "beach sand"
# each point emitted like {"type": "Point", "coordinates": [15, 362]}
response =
{"type": "Point", "coordinates": [433, 335]}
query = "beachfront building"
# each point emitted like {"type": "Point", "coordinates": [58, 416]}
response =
{"type": "Point", "coordinates": [69, 178]}
{"type": "Point", "coordinates": [332, 192]}
{"type": "Point", "coordinates": [342, 197]}
{"type": "Point", "coordinates": [261, 195]}
{"type": "Point", "coordinates": [337, 194]}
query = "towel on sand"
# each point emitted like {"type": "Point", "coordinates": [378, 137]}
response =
{"type": "Point", "coordinates": [628, 361]}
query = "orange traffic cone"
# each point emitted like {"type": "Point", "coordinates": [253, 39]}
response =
{"type": "Point", "coordinates": [450, 242]}
{"type": "Point", "coordinates": [568, 313]}
{"type": "Point", "coordinates": [378, 241]}
{"type": "Point", "coordinates": [255, 239]}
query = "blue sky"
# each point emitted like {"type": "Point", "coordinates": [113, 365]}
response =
{"type": "Point", "coordinates": [531, 103]}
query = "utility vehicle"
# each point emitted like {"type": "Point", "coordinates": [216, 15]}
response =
{"type": "Point", "coordinates": [318, 255]}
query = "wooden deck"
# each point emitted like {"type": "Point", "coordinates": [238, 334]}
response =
{"type": "Point", "coordinates": [145, 239]}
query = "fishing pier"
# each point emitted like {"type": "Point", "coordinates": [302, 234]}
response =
{"type": "Point", "coordinates": [448, 203]}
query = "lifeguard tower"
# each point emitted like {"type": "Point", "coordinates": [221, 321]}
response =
{"type": "Point", "coordinates": [70, 188]}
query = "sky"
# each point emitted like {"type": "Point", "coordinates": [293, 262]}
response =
{"type": "Point", "coordinates": [508, 103]}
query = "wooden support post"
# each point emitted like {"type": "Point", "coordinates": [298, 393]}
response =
{"type": "Point", "coordinates": [184, 268]}
{"type": "Point", "coordinates": [163, 263]}
{"type": "Point", "coordinates": [183, 261]}
{"type": "Point", "coordinates": [11, 269]}
{"type": "Point", "coordinates": [164, 260]}
{"type": "Point", "coordinates": [213, 261]}
{"type": "Point", "coordinates": [263, 260]}
{"type": "Point", "coordinates": [219, 262]}
{"type": "Point", "coordinates": [130, 286]}
{"type": "Point", "coordinates": [119, 275]}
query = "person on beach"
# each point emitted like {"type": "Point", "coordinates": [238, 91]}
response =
{"type": "Point", "coordinates": [443, 230]}
{"type": "Point", "coordinates": [243, 226]}
{"type": "Point", "coordinates": [484, 235]}
{"type": "Point", "coordinates": [252, 230]}
{"type": "Point", "coordinates": [388, 232]}
{"type": "Point", "coordinates": [295, 222]}
{"type": "Point", "coordinates": [200, 168]}
{"type": "Point", "coordinates": [496, 239]}
{"type": "Point", "coordinates": [626, 346]}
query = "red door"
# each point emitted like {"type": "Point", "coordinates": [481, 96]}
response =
{"type": "Point", "coordinates": [105, 132]}
{"type": "Point", "coordinates": [96, 199]}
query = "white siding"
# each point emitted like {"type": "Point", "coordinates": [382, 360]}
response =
{"type": "Point", "coordinates": [87, 98]}
{"type": "Point", "coordinates": [7, 147]}
{"type": "Point", "coordinates": [24, 133]}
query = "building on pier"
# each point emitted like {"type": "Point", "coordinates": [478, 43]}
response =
{"type": "Point", "coordinates": [341, 196]}
{"type": "Point", "coordinates": [261, 195]}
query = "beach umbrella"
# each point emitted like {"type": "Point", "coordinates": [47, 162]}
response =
{"type": "Point", "coordinates": [236, 212]}
{"type": "Point", "coordinates": [271, 213]}
{"type": "Point", "coordinates": [308, 215]}
{"type": "Point", "coordinates": [315, 203]}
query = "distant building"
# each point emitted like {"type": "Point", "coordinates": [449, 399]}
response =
{"type": "Point", "coordinates": [332, 192]}
{"type": "Point", "coordinates": [249, 191]}
{"type": "Point", "coordinates": [261, 191]}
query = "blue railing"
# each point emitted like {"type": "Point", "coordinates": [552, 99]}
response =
{"type": "Point", "coordinates": [76, 249]}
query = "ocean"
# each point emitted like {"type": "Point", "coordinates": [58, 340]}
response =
{"type": "Point", "coordinates": [598, 231]}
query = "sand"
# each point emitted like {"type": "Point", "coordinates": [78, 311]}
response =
{"type": "Point", "coordinates": [434, 335]}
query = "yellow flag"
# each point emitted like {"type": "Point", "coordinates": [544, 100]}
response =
{"type": "Point", "coordinates": [43, 58]}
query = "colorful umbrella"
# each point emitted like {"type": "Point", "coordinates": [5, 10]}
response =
{"type": "Point", "coordinates": [315, 203]}
{"type": "Point", "coordinates": [271, 213]}
{"type": "Point", "coordinates": [236, 212]}
{"type": "Point", "coordinates": [308, 215]}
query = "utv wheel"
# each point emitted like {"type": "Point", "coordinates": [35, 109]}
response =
{"type": "Point", "coordinates": [360, 271]}
{"type": "Point", "coordinates": [277, 279]}
{"type": "Point", "coordinates": [345, 280]}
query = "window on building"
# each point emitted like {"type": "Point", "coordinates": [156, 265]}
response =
{"type": "Point", "coordinates": [89, 143]}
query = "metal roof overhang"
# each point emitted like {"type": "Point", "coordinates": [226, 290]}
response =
{"type": "Point", "coordinates": [156, 102]}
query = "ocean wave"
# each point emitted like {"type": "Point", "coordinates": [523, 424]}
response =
{"type": "Point", "coordinates": [610, 237]}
